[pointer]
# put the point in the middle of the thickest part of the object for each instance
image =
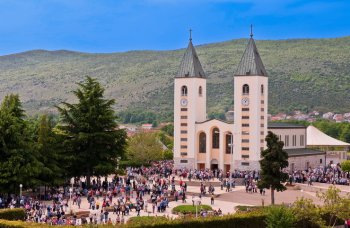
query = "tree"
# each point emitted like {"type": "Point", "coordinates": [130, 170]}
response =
{"type": "Point", "coordinates": [345, 166]}
{"type": "Point", "coordinates": [280, 216]}
{"type": "Point", "coordinates": [18, 156]}
{"type": "Point", "coordinates": [306, 212]}
{"type": "Point", "coordinates": [272, 164]}
{"type": "Point", "coordinates": [334, 205]}
{"type": "Point", "coordinates": [49, 147]}
{"type": "Point", "coordinates": [92, 137]}
{"type": "Point", "coordinates": [144, 148]}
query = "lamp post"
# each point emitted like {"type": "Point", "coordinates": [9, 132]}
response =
{"type": "Point", "coordinates": [231, 163]}
{"type": "Point", "coordinates": [70, 198]}
{"type": "Point", "coordinates": [197, 201]}
{"type": "Point", "coordinates": [20, 191]}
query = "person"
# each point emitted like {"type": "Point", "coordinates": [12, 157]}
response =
{"type": "Point", "coordinates": [138, 208]}
{"type": "Point", "coordinates": [183, 197]}
{"type": "Point", "coordinates": [212, 199]}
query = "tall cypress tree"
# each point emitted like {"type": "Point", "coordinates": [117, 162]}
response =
{"type": "Point", "coordinates": [272, 164]}
{"type": "Point", "coordinates": [93, 140]}
{"type": "Point", "coordinates": [18, 156]}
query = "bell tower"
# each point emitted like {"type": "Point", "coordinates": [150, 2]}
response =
{"type": "Point", "coordinates": [250, 109]}
{"type": "Point", "coordinates": [190, 89]}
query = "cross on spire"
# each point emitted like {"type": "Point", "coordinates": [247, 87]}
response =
{"type": "Point", "coordinates": [251, 31]}
{"type": "Point", "coordinates": [190, 34]}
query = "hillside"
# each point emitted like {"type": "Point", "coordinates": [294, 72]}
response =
{"type": "Point", "coordinates": [304, 73]}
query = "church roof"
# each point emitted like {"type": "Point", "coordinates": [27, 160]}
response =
{"type": "Point", "coordinates": [298, 152]}
{"type": "Point", "coordinates": [190, 65]}
{"type": "Point", "coordinates": [251, 63]}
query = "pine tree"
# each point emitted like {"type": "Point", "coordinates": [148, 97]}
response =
{"type": "Point", "coordinates": [274, 160]}
{"type": "Point", "coordinates": [49, 148]}
{"type": "Point", "coordinates": [92, 138]}
{"type": "Point", "coordinates": [18, 157]}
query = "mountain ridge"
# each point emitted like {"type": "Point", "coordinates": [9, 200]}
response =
{"type": "Point", "coordinates": [304, 74]}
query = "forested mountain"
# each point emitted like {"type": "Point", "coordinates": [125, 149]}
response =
{"type": "Point", "coordinates": [304, 74]}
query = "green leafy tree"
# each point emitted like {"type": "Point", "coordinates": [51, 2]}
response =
{"type": "Point", "coordinates": [306, 212]}
{"type": "Point", "coordinates": [169, 129]}
{"type": "Point", "coordinates": [143, 148]}
{"type": "Point", "coordinates": [345, 166]}
{"type": "Point", "coordinates": [274, 159]}
{"type": "Point", "coordinates": [334, 205]}
{"type": "Point", "coordinates": [280, 216]}
{"type": "Point", "coordinates": [92, 137]}
{"type": "Point", "coordinates": [18, 156]}
{"type": "Point", "coordinates": [50, 151]}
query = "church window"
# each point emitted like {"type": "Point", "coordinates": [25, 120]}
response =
{"type": "Point", "coordinates": [216, 136]}
{"type": "Point", "coordinates": [229, 144]}
{"type": "Point", "coordinates": [301, 140]}
{"type": "Point", "coordinates": [183, 117]}
{"type": "Point", "coordinates": [202, 142]}
{"type": "Point", "coordinates": [245, 125]}
{"type": "Point", "coordinates": [245, 148]}
{"type": "Point", "coordinates": [262, 89]}
{"type": "Point", "coordinates": [184, 132]}
{"type": "Point", "coordinates": [245, 109]}
{"type": "Point", "coordinates": [184, 91]}
{"type": "Point", "coordinates": [200, 91]}
{"type": "Point", "coordinates": [183, 124]}
{"type": "Point", "coordinates": [184, 109]}
{"type": "Point", "coordinates": [245, 117]}
{"type": "Point", "coordinates": [183, 147]}
{"type": "Point", "coordinates": [286, 140]}
{"type": "Point", "coordinates": [245, 89]}
{"type": "Point", "coordinates": [183, 139]}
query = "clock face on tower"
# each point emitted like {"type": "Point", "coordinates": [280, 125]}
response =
{"type": "Point", "coordinates": [245, 101]}
{"type": "Point", "coordinates": [184, 102]}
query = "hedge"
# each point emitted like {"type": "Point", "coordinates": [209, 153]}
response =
{"type": "Point", "coordinates": [189, 209]}
{"type": "Point", "coordinates": [13, 214]}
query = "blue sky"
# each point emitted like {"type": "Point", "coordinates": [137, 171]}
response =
{"type": "Point", "coordinates": [121, 25]}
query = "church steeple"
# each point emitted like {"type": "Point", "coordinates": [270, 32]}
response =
{"type": "Point", "coordinates": [190, 65]}
{"type": "Point", "coordinates": [251, 63]}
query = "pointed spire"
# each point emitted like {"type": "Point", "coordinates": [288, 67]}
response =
{"type": "Point", "coordinates": [190, 65]}
{"type": "Point", "coordinates": [251, 31]}
{"type": "Point", "coordinates": [251, 63]}
{"type": "Point", "coordinates": [190, 34]}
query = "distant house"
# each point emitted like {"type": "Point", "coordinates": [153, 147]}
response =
{"type": "Point", "coordinates": [146, 126]}
{"type": "Point", "coordinates": [338, 118]}
{"type": "Point", "coordinates": [328, 115]}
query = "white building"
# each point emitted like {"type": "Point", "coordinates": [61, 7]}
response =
{"type": "Point", "coordinates": [201, 143]}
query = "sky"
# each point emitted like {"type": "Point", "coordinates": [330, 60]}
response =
{"type": "Point", "coordinates": [104, 26]}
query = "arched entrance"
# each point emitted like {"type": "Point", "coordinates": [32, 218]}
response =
{"type": "Point", "coordinates": [214, 164]}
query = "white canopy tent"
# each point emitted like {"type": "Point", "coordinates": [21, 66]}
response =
{"type": "Point", "coordinates": [315, 137]}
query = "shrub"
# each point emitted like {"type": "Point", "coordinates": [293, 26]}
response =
{"type": "Point", "coordinates": [12, 214]}
{"type": "Point", "coordinates": [248, 208]}
{"type": "Point", "coordinates": [189, 209]}
{"type": "Point", "coordinates": [280, 216]}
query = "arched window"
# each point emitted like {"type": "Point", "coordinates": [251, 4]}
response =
{"type": "Point", "coordinates": [202, 142]}
{"type": "Point", "coordinates": [229, 144]}
{"type": "Point", "coordinates": [184, 91]}
{"type": "Point", "coordinates": [245, 89]}
{"type": "Point", "coordinates": [200, 91]}
{"type": "Point", "coordinates": [262, 89]}
{"type": "Point", "coordinates": [216, 137]}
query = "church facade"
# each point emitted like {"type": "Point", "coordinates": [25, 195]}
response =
{"type": "Point", "coordinates": [201, 143]}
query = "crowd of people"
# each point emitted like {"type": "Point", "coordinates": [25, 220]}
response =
{"type": "Point", "coordinates": [147, 189]}
{"type": "Point", "coordinates": [331, 174]}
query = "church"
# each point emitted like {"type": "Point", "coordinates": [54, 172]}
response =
{"type": "Point", "coordinates": [201, 143]}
